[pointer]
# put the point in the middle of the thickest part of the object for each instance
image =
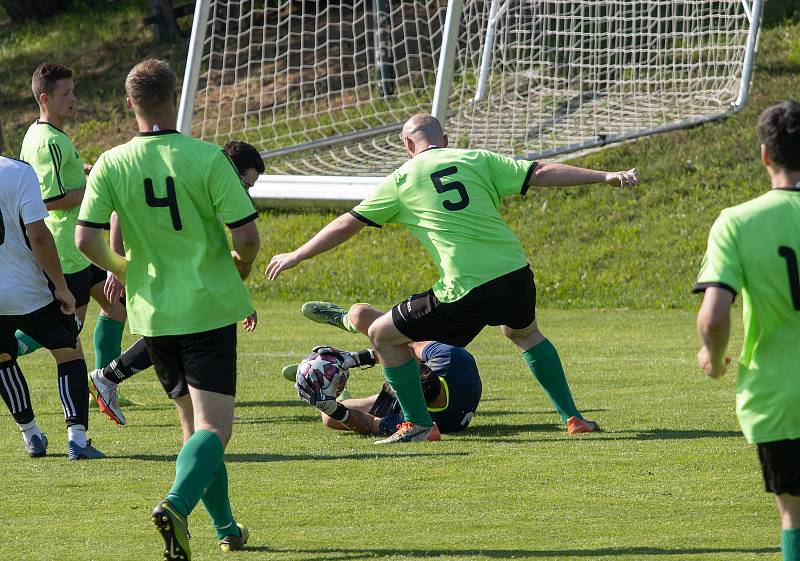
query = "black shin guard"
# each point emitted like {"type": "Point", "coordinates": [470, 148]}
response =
{"type": "Point", "coordinates": [132, 361]}
{"type": "Point", "coordinates": [14, 390]}
{"type": "Point", "coordinates": [73, 389]}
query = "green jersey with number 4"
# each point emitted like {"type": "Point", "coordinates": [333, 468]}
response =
{"type": "Point", "coordinates": [170, 192]}
{"type": "Point", "coordinates": [754, 249]}
{"type": "Point", "coordinates": [60, 169]}
{"type": "Point", "coordinates": [450, 200]}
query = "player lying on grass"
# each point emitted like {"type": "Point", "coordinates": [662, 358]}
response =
{"type": "Point", "coordinates": [450, 199]}
{"type": "Point", "coordinates": [34, 296]}
{"type": "Point", "coordinates": [753, 248]}
{"type": "Point", "coordinates": [174, 195]}
{"type": "Point", "coordinates": [104, 382]}
{"type": "Point", "coordinates": [449, 377]}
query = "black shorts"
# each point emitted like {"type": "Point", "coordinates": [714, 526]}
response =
{"type": "Point", "coordinates": [81, 283]}
{"type": "Point", "coordinates": [508, 300]}
{"type": "Point", "coordinates": [205, 360]}
{"type": "Point", "coordinates": [386, 403]}
{"type": "Point", "coordinates": [48, 326]}
{"type": "Point", "coordinates": [780, 466]}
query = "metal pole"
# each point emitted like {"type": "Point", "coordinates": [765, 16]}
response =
{"type": "Point", "coordinates": [447, 58]}
{"type": "Point", "coordinates": [749, 55]}
{"type": "Point", "coordinates": [196, 41]}
{"type": "Point", "coordinates": [384, 57]}
{"type": "Point", "coordinates": [486, 55]}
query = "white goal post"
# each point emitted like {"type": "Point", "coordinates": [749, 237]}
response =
{"type": "Point", "coordinates": [322, 87]}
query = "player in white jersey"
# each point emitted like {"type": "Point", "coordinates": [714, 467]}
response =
{"type": "Point", "coordinates": [27, 253]}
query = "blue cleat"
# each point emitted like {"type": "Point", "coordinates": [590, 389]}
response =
{"type": "Point", "coordinates": [88, 452]}
{"type": "Point", "coordinates": [38, 446]}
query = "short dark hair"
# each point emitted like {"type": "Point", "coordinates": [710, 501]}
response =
{"type": "Point", "coordinates": [151, 84]}
{"type": "Point", "coordinates": [244, 156]}
{"type": "Point", "coordinates": [431, 385]}
{"type": "Point", "coordinates": [779, 129]}
{"type": "Point", "coordinates": [45, 77]}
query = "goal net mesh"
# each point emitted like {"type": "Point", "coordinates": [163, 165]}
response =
{"type": "Point", "coordinates": [322, 87]}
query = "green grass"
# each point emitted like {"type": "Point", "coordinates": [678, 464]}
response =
{"type": "Point", "coordinates": [670, 478]}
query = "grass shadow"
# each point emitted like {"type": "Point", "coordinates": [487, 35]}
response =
{"type": "Point", "coordinates": [259, 458]}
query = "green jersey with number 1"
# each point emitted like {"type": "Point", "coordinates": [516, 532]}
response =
{"type": "Point", "coordinates": [754, 249]}
{"type": "Point", "coordinates": [450, 200]}
{"type": "Point", "coordinates": [170, 192]}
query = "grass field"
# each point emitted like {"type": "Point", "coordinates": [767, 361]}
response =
{"type": "Point", "coordinates": [671, 478]}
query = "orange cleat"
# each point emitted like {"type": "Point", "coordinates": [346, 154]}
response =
{"type": "Point", "coordinates": [580, 426]}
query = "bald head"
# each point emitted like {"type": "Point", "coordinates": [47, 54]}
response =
{"type": "Point", "coordinates": [421, 132]}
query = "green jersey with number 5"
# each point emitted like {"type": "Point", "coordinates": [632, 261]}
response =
{"type": "Point", "coordinates": [450, 201]}
{"type": "Point", "coordinates": [170, 192]}
{"type": "Point", "coordinates": [753, 249]}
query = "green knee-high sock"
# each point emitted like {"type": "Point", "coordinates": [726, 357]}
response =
{"type": "Point", "coordinates": [348, 325]}
{"type": "Point", "coordinates": [197, 464]}
{"type": "Point", "coordinates": [218, 504]}
{"type": "Point", "coordinates": [107, 340]}
{"type": "Point", "coordinates": [546, 368]}
{"type": "Point", "coordinates": [405, 381]}
{"type": "Point", "coordinates": [790, 544]}
{"type": "Point", "coordinates": [25, 345]}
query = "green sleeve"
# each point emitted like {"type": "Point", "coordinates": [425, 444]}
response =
{"type": "Point", "coordinates": [509, 176]}
{"type": "Point", "coordinates": [97, 205]}
{"type": "Point", "coordinates": [721, 264]}
{"type": "Point", "coordinates": [382, 205]}
{"type": "Point", "coordinates": [228, 193]}
{"type": "Point", "coordinates": [47, 161]}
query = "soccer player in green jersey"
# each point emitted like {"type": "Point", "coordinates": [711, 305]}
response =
{"type": "Point", "coordinates": [183, 285]}
{"type": "Point", "coordinates": [753, 249]}
{"type": "Point", "coordinates": [104, 382]}
{"type": "Point", "coordinates": [62, 179]}
{"type": "Point", "coordinates": [450, 199]}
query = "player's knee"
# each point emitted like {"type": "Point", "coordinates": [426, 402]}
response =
{"type": "Point", "coordinates": [362, 316]}
{"type": "Point", "coordinates": [67, 354]}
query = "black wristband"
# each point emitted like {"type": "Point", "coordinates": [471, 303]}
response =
{"type": "Point", "coordinates": [342, 414]}
{"type": "Point", "coordinates": [366, 357]}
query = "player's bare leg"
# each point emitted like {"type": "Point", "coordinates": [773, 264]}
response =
{"type": "Point", "coordinates": [545, 365]}
{"type": "Point", "coordinates": [401, 369]}
{"type": "Point", "coordinates": [185, 415]}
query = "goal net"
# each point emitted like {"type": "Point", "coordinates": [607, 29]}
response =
{"type": "Point", "coordinates": [323, 87]}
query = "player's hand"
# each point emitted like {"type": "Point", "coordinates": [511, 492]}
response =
{"type": "Point", "coordinates": [623, 178]}
{"type": "Point", "coordinates": [710, 367]}
{"type": "Point", "coordinates": [244, 268]}
{"type": "Point", "coordinates": [327, 405]}
{"type": "Point", "coordinates": [66, 301]}
{"type": "Point", "coordinates": [308, 388]}
{"type": "Point", "coordinates": [280, 263]}
{"type": "Point", "coordinates": [249, 323]}
{"type": "Point", "coordinates": [113, 289]}
{"type": "Point", "coordinates": [348, 359]}
{"type": "Point", "coordinates": [87, 168]}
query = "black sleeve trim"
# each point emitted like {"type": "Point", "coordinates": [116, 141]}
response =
{"type": "Point", "coordinates": [243, 221]}
{"type": "Point", "coordinates": [98, 225]}
{"type": "Point", "coordinates": [57, 197]}
{"type": "Point", "coordinates": [528, 176]}
{"type": "Point", "coordinates": [701, 287]}
{"type": "Point", "coordinates": [55, 155]}
{"type": "Point", "coordinates": [365, 220]}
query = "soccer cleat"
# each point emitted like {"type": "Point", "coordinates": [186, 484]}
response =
{"type": "Point", "coordinates": [106, 393]}
{"type": "Point", "coordinates": [409, 432]}
{"type": "Point", "coordinates": [580, 426]}
{"type": "Point", "coordinates": [37, 448]}
{"type": "Point", "coordinates": [325, 312]}
{"type": "Point", "coordinates": [88, 452]}
{"type": "Point", "coordinates": [175, 531]}
{"type": "Point", "coordinates": [290, 371]}
{"type": "Point", "coordinates": [233, 543]}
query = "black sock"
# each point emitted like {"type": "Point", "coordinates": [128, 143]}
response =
{"type": "Point", "coordinates": [14, 390]}
{"type": "Point", "coordinates": [133, 360]}
{"type": "Point", "coordinates": [73, 389]}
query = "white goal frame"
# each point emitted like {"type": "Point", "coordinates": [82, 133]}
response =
{"type": "Point", "coordinates": [343, 191]}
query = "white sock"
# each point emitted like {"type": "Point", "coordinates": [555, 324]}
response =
{"type": "Point", "coordinates": [29, 430]}
{"type": "Point", "coordinates": [77, 434]}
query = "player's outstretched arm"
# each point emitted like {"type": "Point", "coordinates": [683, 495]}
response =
{"type": "Point", "coordinates": [713, 326]}
{"type": "Point", "coordinates": [44, 249]}
{"type": "Point", "coordinates": [338, 231]}
{"type": "Point", "coordinates": [549, 174]}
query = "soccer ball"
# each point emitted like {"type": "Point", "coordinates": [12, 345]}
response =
{"type": "Point", "coordinates": [327, 370]}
